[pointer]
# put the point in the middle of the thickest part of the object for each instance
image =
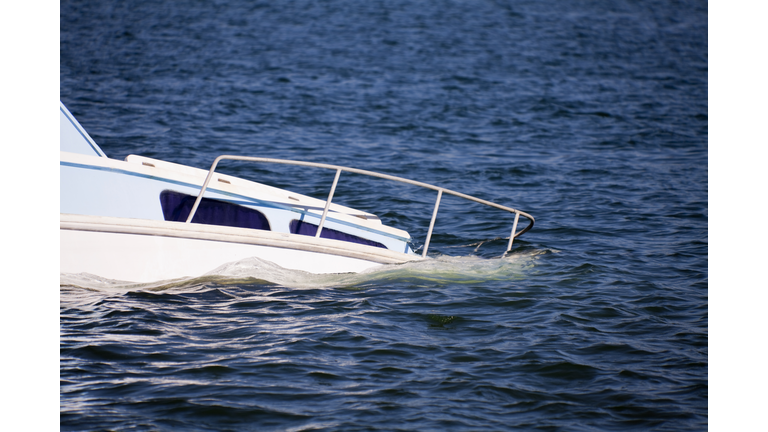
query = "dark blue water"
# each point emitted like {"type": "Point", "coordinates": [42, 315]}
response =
{"type": "Point", "coordinates": [590, 115]}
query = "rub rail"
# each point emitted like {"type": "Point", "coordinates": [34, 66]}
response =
{"type": "Point", "coordinates": [340, 169]}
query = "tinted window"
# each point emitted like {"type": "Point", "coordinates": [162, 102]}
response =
{"type": "Point", "coordinates": [305, 228]}
{"type": "Point", "coordinates": [176, 207]}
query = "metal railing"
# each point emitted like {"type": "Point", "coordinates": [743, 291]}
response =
{"type": "Point", "coordinates": [339, 169]}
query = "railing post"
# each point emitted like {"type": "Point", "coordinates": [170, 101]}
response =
{"type": "Point", "coordinates": [202, 190]}
{"type": "Point", "coordinates": [328, 203]}
{"type": "Point", "coordinates": [432, 222]}
{"type": "Point", "coordinates": [514, 229]}
{"type": "Point", "coordinates": [339, 169]}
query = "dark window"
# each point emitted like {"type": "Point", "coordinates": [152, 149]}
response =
{"type": "Point", "coordinates": [176, 207]}
{"type": "Point", "coordinates": [305, 228]}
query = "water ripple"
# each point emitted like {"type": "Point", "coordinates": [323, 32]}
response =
{"type": "Point", "coordinates": [590, 116]}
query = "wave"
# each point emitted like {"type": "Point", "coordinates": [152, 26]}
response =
{"type": "Point", "coordinates": [441, 269]}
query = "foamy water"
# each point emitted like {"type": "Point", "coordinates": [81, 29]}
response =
{"type": "Point", "coordinates": [443, 269]}
{"type": "Point", "coordinates": [590, 116]}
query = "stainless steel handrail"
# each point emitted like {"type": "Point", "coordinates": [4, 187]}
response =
{"type": "Point", "coordinates": [339, 169]}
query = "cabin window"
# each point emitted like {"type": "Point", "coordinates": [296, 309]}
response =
{"type": "Point", "coordinates": [306, 228]}
{"type": "Point", "coordinates": [176, 207]}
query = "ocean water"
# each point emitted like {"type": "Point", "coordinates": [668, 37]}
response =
{"type": "Point", "coordinates": [590, 115]}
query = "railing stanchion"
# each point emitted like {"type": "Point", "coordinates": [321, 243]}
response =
{"type": "Point", "coordinates": [338, 169]}
{"type": "Point", "coordinates": [432, 222]}
{"type": "Point", "coordinates": [514, 229]}
{"type": "Point", "coordinates": [202, 189]}
{"type": "Point", "coordinates": [328, 203]}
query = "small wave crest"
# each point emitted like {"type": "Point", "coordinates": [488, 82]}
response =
{"type": "Point", "coordinates": [441, 269]}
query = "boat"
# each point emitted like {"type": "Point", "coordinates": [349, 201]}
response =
{"type": "Point", "coordinates": [145, 220]}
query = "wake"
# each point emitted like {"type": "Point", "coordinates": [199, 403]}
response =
{"type": "Point", "coordinates": [442, 269]}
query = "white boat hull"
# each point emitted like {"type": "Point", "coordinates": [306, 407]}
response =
{"type": "Point", "coordinates": [124, 220]}
{"type": "Point", "coordinates": [147, 251]}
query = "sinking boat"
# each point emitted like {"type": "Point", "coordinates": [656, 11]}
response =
{"type": "Point", "coordinates": [145, 220]}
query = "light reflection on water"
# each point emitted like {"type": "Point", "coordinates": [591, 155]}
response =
{"type": "Point", "coordinates": [590, 116]}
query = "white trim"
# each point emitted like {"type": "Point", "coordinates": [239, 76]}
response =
{"type": "Point", "coordinates": [129, 249]}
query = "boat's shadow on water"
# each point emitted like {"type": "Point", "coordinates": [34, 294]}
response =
{"type": "Point", "coordinates": [254, 271]}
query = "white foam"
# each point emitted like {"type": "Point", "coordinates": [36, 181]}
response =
{"type": "Point", "coordinates": [442, 269]}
